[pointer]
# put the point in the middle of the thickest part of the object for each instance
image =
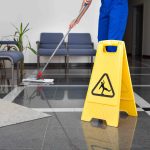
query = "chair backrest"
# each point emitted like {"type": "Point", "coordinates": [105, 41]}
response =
{"type": "Point", "coordinates": [51, 38]}
{"type": "Point", "coordinates": [79, 38]}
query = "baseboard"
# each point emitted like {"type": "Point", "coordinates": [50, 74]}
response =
{"type": "Point", "coordinates": [129, 55]}
{"type": "Point", "coordinates": [146, 56]}
{"type": "Point", "coordinates": [59, 65]}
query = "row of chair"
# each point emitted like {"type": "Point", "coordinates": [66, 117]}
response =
{"type": "Point", "coordinates": [79, 44]}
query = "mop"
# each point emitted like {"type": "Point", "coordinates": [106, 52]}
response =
{"type": "Point", "coordinates": [39, 78]}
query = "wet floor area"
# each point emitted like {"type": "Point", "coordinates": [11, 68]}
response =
{"type": "Point", "coordinates": [64, 100]}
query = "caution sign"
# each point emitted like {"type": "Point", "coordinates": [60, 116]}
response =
{"type": "Point", "coordinates": [110, 89]}
{"type": "Point", "coordinates": [104, 87]}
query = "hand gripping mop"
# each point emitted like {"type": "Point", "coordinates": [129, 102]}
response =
{"type": "Point", "coordinates": [39, 78]}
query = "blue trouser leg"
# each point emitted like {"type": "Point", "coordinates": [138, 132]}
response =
{"type": "Point", "coordinates": [116, 14]}
{"type": "Point", "coordinates": [104, 20]}
{"type": "Point", "coordinates": [103, 27]}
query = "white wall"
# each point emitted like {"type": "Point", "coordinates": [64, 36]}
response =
{"type": "Point", "coordinates": [47, 16]}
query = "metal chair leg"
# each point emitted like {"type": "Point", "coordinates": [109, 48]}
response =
{"type": "Point", "coordinates": [91, 59]}
{"type": "Point", "coordinates": [12, 71]}
{"type": "Point", "coordinates": [38, 62]}
{"type": "Point", "coordinates": [91, 62]}
{"type": "Point", "coordinates": [18, 78]}
{"type": "Point", "coordinates": [67, 63]}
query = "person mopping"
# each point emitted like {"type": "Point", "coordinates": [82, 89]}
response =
{"type": "Point", "coordinates": [112, 25]}
{"type": "Point", "coordinates": [112, 20]}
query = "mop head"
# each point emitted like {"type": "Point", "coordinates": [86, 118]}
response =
{"type": "Point", "coordinates": [39, 75]}
{"type": "Point", "coordinates": [39, 79]}
{"type": "Point", "coordinates": [34, 80]}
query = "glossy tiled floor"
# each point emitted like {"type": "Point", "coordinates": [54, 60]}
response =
{"type": "Point", "coordinates": [4, 90]}
{"type": "Point", "coordinates": [64, 101]}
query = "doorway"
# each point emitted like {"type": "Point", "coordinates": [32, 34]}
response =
{"type": "Point", "coordinates": [137, 30]}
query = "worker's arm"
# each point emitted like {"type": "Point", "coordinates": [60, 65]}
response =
{"type": "Point", "coordinates": [76, 21]}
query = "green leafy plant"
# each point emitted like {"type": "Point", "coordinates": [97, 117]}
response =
{"type": "Point", "coordinates": [19, 37]}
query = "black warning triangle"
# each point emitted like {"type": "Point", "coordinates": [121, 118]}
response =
{"type": "Point", "coordinates": [101, 89]}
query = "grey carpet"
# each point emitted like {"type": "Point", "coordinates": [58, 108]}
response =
{"type": "Point", "coordinates": [11, 113]}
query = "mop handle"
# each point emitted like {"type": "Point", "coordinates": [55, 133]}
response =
{"type": "Point", "coordinates": [85, 5]}
{"type": "Point", "coordinates": [56, 50]}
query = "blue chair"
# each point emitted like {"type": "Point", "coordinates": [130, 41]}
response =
{"type": "Point", "coordinates": [47, 44]}
{"type": "Point", "coordinates": [15, 57]}
{"type": "Point", "coordinates": [80, 44]}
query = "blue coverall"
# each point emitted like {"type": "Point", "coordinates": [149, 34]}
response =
{"type": "Point", "coordinates": [112, 20]}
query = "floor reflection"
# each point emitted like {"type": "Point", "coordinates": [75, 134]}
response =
{"type": "Point", "coordinates": [110, 138]}
{"type": "Point", "coordinates": [4, 79]}
{"type": "Point", "coordinates": [4, 90]}
{"type": "Point", "coordinates": [42, 95]}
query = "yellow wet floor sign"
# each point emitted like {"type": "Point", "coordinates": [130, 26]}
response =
{"type": "Point", "coordinates": [110, 90]}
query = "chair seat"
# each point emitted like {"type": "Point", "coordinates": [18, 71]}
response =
{"type": "Point", "coordinates": [8, 42]}
{"type": "Point", "coordinates": [79, 46]}
{"type": "Point", "coordinates": [14, 56]}
{"type": "Point", "coordinates": [48, 52]}
{"type": "Point", "coordinates": [81, 52]}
